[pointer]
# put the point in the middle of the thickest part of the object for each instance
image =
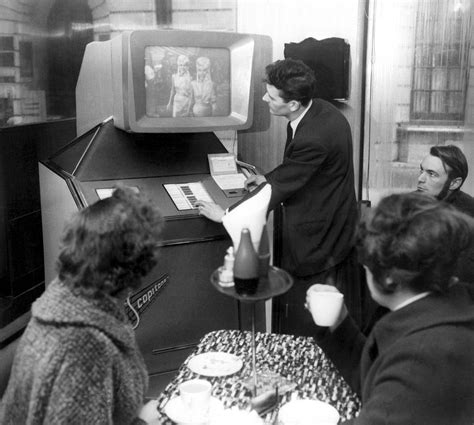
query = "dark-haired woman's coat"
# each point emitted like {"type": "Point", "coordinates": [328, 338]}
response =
{"type": "Point", "coordinates": [77, 363]}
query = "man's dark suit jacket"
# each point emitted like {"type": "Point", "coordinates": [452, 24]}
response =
{"type": "Point", "coordinates": [465, 265]}
{"type": "Point", "coordinates": [315, 183]}
{"type": "Point", "coordinates": [462, 202]}
{"type": "Point", "coordinates": [416, 366]}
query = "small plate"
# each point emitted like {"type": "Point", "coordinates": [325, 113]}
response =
{"type": "Point", "coordinates": [176, 411]}
{"type": "Point", "coordinates": [215, 363]}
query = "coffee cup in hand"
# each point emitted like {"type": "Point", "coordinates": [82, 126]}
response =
{"type": "Point", "coordinates": [196, 397]}
{"type": "Point", "coordinates": [325, 306]}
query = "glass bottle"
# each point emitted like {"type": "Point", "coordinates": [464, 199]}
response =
{"type": "Point", "coordinates": [226, 272]}
{"type": "Point", "coordinates": [246, 265]}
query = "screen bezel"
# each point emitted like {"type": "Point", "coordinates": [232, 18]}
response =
{"type": "Point", "coordinates": [241, 49]}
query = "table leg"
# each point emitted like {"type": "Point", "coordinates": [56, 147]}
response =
{"type": "Point", "coordinates": [254, 356]}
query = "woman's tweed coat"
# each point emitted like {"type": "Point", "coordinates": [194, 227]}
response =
{"type": "Point", "coordinates": [77, 363]}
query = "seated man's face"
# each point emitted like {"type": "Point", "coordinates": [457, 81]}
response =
{"type": "Point", "coordinates": [433, 178]}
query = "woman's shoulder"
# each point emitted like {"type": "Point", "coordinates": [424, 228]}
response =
{"type": "Point", "coordinates": [438, 320]}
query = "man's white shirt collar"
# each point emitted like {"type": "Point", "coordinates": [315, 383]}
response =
{"type": "Point", "coordinates": [412, 300]}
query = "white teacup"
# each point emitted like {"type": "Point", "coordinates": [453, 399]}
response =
{"type": "Point", "coordinates": [325, 306]}
{"type": "Point", "coordinates": [196, 397]}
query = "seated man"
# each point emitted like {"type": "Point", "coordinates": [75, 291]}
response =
{"type": "Point", "coordinates": [416, 366]}
{"type": "Point", "coordinates": [442, 174]}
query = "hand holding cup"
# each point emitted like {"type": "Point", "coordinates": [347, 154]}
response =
{"type": "Point", "coordinates": [326, 305]}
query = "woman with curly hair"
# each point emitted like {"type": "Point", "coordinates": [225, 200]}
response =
{"type": "Point", "coordinates": [77, 361]}
{"type": "Point", "coordinates": [416, 366]}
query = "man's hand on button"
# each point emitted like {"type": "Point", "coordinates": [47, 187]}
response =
{"type": "Point", "coordinates": [210, 210]}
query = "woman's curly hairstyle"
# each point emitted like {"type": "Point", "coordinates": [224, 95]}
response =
{"type": "Point", "coordinates": [415, 239]}
{"type": "Point", "coordinates": [110, 245]}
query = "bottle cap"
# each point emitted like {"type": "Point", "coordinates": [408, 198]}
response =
{"type": "Point", "coordinates": [229, 262]}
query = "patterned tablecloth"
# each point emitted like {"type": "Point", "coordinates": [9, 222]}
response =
{"type": "Point", "coordinates": [298, 359]}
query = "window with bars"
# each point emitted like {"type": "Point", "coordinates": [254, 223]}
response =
{"type": "Point", "coordinates": [6, 110]}
{"type": "Point", "coordinates": [7, 55]}
{"type": "Point", "coordinates": [440, 72]}
{"type": "Point", "coordinates": [26, 59]}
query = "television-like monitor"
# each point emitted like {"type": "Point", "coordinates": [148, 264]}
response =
{"type": "Point", "coordinates": [164, 81]}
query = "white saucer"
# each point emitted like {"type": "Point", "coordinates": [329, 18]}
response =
{"type": "Point", "coordinates": [176, 411]}
{"type": "Point", "coordinates": [215, 363]}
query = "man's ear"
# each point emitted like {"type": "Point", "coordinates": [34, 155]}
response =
{"type": "Point", "coordinates": [294, 105]}
{"type": "Point", "coordinates": [455, 183]}
{"type": "Point", "coordinates": [389, 284]}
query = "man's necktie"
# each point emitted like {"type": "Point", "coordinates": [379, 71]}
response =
{"type": "Point", "coordinates": [289, 135]}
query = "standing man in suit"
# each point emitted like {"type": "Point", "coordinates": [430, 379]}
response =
{"type": "Point", "coordinates": [314, 187]}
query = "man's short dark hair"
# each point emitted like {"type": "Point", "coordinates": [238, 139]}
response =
{"type": "Point", "coordinates": [415, 240]}
{"type": "Point", "coordinates": [294, 79]}
{"type": "Point", "coordinates": [453, 159]}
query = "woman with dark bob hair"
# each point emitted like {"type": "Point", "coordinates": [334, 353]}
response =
{"type": "Point", "coordinates": [417, 364]}
{"type": "Point", "coordinates": [77, 361]}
